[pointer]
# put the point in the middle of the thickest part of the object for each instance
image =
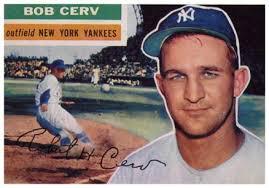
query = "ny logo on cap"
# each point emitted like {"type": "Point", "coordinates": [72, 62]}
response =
{"type": "Point", "coordinates": [185, 15]}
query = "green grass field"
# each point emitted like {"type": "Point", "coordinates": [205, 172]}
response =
{"type": "Point", "coordinates": [138, 110]}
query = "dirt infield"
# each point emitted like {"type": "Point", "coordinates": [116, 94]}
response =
{"type": "Point", "coordinates": [28, 159]}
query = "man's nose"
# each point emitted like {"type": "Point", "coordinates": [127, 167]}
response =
{"type": "Point", "coordinates": [194, 90]}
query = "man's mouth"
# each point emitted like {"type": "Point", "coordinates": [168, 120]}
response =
{"type": "Point", "coordinates": [195, 111]}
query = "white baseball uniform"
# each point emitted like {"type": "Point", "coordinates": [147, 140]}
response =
{"type": "Point", "coordinates": [96, 75]}
{"type": "Point", "coordinates": [247, 165]}
{"type": "Point", "coordinates": [56, 120]}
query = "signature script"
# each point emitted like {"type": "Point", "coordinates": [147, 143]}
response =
{"type": "Point", "coordinates": [54, 147]}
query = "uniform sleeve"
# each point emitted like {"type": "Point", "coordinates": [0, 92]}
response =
{"type": "Point", "coordinates": [44, 97]}
{"type": "Point", "coordinates": [46, 87]}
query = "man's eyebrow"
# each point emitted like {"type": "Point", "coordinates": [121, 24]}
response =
{"type": "Point", "coordinates": [212, 68]}
{"type": "Point", "coordinates": [173, 71]}
{"type": "Point", "coordinates": [203, 68]}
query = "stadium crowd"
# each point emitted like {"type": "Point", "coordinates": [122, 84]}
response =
{"type": "Point", "coordinates": [123, 65]}
{"type": "Point", "coordinates": [25, 67]}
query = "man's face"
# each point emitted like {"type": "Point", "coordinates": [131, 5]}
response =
{"type": "Point", "coordinates": [198, 83]}
{"type": "Point", "coordinates": [59, 73]}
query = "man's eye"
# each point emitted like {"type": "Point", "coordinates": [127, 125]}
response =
{"type": "Point", "coordinates": [175, 76]}
{"type": "Point", "coordinates": [208, 74]}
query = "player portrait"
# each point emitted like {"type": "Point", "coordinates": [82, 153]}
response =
{"type": "Point", "coordinates": [200, 78]}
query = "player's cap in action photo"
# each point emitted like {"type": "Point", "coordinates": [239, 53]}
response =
{"type": "Point", "coordinates": [58, 63]}
{"type": "Point", "coordinates": [194, 19]}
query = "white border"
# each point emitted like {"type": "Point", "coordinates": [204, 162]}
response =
{"type": "Point", "coordinates": [166, 2]}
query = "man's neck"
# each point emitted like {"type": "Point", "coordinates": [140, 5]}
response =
{"type": "Point", "coordinates": [54, 76]}
{"type": "Point", "coordinates": [211, 151]}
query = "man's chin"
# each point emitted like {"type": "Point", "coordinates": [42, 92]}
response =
{"type": "Point", "coordinates": [195, 130]}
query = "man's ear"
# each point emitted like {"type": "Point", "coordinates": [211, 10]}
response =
{"type": "Point", "coordinates": [241, 80]}
{"type": "Point", "coordinates": [159, 82]}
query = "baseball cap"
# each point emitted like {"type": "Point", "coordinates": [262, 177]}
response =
{"type": "Point", "coordinates": [58, 63]}
{"type": "Point", "coordinates": [194, 19]}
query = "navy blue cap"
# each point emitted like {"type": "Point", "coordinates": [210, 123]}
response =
{"type": "Point", "coordinates": [58, 63]}
{"type": "Point", "coordinates": [195, 19]}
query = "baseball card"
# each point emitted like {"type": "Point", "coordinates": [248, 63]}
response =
{"type": "Point", "coordinates": [134, 93]}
